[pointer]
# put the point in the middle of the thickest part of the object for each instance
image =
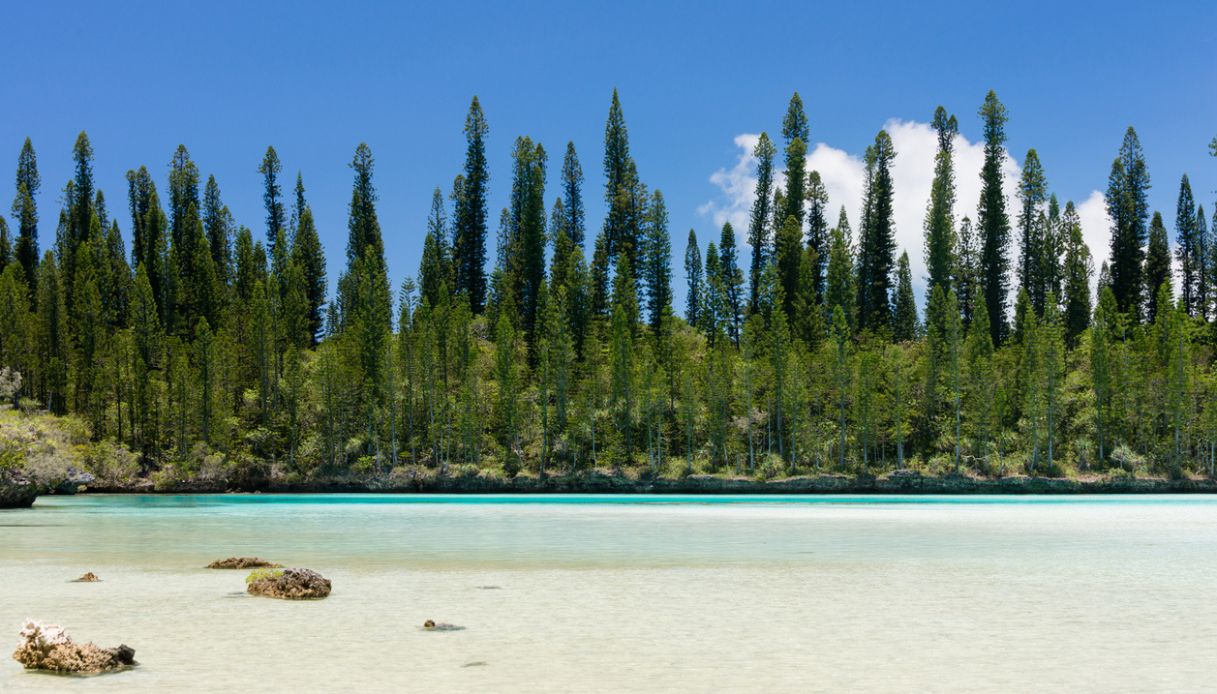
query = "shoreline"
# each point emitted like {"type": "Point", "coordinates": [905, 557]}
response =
{"type": "Point", "coordinates": [900, 482]}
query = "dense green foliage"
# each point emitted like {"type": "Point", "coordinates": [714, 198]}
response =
{"type": "Point", "coordinates": [203, 344]}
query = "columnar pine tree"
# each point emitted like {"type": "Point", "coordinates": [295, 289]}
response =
{"type": "Point", "coordinates": [434, 272]}
{"type": "Point", "coordinates": [904, 316]}
{"type": "Point", "coordinates": [940, 215]}
{"type": "Point", "coordinates": [695, 282]}
{"type": "Point", "coordinates": [52, 336]}
{"type": "Point", "coordinates": [25, 212]}
{"type": "Point", "coordinates": [1078, 270]}
{"type": "Point", "coordinates": [1033, 196]}
{"type": "Point", "coordinates": [525, 260]}
{"type": "Point", "coordinates": [817, 230]}
{"type": "Point", "coordinates": [1188, 249]}
{"type": "Point", "coordinates": [183, 193]}
{"type": "Point", "coordinates": [572, 195]}
{"type": "Point", "coordinates": [798, 136]}
{"type": "Point", "coordinates": [732, 283]}
{"type": "Point", "coordinates": [619, 180]}
{"type": "Point", "coordinates": [1207, 264]}
{"type": "Point", "coordinates": [965, 272]}
{"type": "Point", "coordinates": [992, 220]}
{"type": "Point", "coordinates": [1052, 247]}
{"type": "Point", "coordinates": [759, 221]}
{"type": "Point", "coordinates": [470, 223]}
{"type": "Point", "coordinates": [309, 257]}
{"type": "Point", "coordinates": [840, 290]}
{"type": "Point", "coordinates": [1128, 207]}
{"type": "Point", "coordinates": [656, 259]}
{"type": "Point", "coordinates": [219, 227]}
{"type": "Point", "coordinates": [1157, 267]}
{"type": "Point", "coordinates": [272, 197]}
{"type": "Point", "coordinates": [877, 245]}
{"type": "Point", "coordinates": [788, 258]}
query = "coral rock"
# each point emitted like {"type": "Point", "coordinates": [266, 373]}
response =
{"type": "Point", "coordinates": [48, 647]}
{"type": "Point", "coordinates": [288, 584]}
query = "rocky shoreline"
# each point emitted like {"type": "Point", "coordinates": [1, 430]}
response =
{"type": "Point", "coordinates": [17, 492]}
{"type": "Point", "coordinates": [899, 482]}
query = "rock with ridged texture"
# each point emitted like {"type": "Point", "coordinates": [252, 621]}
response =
{"type": "Point", "coordinates": [48, 647]}
{"type": "Point", "coordinates": [288, 584]}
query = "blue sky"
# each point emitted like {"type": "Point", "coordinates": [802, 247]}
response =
{"type": "Point", "coordinates": [315, 79]}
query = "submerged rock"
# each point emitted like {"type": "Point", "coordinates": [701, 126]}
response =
{"type": "Point", "coordinates": [88, 577]}
{"type": "Point", "coordinates": [432, 625]}
{"type": "Point", "coordinates": [243, 563]}
{"type": "Point", "coordinates": [48, 647]}
{"type": "Point", "coordinates": [288, 584]}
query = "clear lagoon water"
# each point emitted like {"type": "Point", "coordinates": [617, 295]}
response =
{"type": "Point", "coordinates": [627, 593]}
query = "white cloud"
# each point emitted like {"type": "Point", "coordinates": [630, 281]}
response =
{"type": "Point", "coordinates": [1096, 230]}
{"type": "Point", "coordinates": [915, 143]}
{"type": "Point", "coordinates": [738, 187]}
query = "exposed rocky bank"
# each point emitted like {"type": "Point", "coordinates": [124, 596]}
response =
{"type": "Point", "coordinates": [898, 482]}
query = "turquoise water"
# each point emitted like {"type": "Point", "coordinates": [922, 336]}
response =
{"type": "Point", "coordinates": [628, 593]}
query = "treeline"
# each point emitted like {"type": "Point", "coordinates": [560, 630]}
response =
{"type": "Point", "coordinates": [204, 344]}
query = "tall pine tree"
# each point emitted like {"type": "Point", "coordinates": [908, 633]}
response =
{"type": "Point", "coordinates": [797, 134]}
{"type": "Point", "coordinates": [940, 214]}
{"type": "Point", "coordinates": [470, 230]}
{"type": "Point", "coordinates": [877, 245]}
{"type": "Point", "coordinates": [993, 223]}
{"type": "Point", "coordinates": [1188, 249]}
{"type": "Point", "coordinates": [1033, 195]}
{"type": "Point", "coordinates": [25, 212]}
{"type": "Point", "coordinates": [759, 220]}
{"type": "Point", "coordinates": [695, 282]}
{"type": "Point", "coordinates": [1128, 208]}
{"type": "Point", "coordinates": [1157, 267]}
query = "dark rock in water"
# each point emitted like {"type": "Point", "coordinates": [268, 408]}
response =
{"type": "Point", "coordinates": [243, 563]}
{"type": "Point", "coordinates": [48, 647]}
{"type": "Point", "coordinates": [476, 663]}
{"type": "Point", "coordinates": [489, 587]}
{"type": "Point", "coordinates": [287, 584]}
{"type": "Point", "coordinates": [17, 491]}
{"type": "Point", "coordinates": [88, 577]}
{"type": "Point", "coordinates": [432, 625]}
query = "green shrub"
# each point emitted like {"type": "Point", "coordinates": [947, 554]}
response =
{"type": "Point", "coordinates": [11, 456]}
{"type": "Point", "coordinates": [1127, 459]}
{"type": "Point", "coordinates": [771, 466]}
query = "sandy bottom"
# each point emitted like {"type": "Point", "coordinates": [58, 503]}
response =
{"type": "Point", "coordinates": [962, 598]}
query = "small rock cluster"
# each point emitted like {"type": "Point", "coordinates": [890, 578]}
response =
{"type": "Point", "coordinates": [48, 647]}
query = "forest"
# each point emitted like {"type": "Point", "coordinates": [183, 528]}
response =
{"type": "Point", "coordinates": [210, 349]}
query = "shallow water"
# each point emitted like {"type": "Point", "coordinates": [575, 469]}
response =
{"type": "Point", "coordinates": [626, 593]}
